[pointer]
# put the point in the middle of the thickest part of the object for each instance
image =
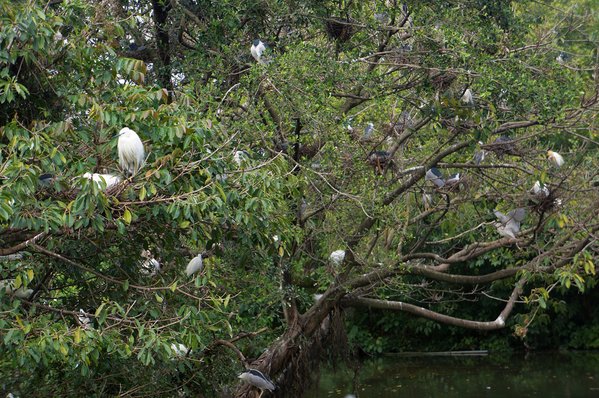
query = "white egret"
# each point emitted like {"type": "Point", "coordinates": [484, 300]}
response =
{"type": "Point", "coordinates": [509, 225]}
{"type": "Point", "coordinates": [555, 158]}
{"type": "Point", "coordinates": [180, 350]}
{"type": "Point", "coordinates": [257, 379]}
{"type": "Point", "coordinates": [435, 176]}
{"type": "Point", "coordinates": [467, 97]}
{"type": "Point", "coordinates": [195, 264]}
{"type": "Point", "coordinates": [109, 179]}
{"type": "Point", "coordinates": [537, 190]}
{"type": "Point", "coordinates": [337, 257]}
{"type": "Point", "coordinates": [257, 49]}
{"type": "Point", "coordinates": [131, 151]}
{"type": "Point", "coordinates": [8, 285]}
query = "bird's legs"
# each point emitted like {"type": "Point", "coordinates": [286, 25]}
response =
{"type": "Point", "coordinates": [261, 392]}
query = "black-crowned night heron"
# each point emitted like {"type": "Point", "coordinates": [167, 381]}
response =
{"type": "Point", "coordinates": [149, 265]}
{"type": "Point", "coordinates": [84, 320]}
{"type": "Point", "coordinates": [257, 50]}
{"type": "Point", "coordinates": [467, 97]}
{"type": "Point", "coordinates": [46, 179]}
{"type": "Point", "coordinates": [452, 180]}
{"type": "Point", "coordinates": [131, 151]}
{"type": "Point", "coordinates": [555, 158]}
{"type": "Point", "coordinates": [257, 379]}
{"type": "Point", "coordinates": [509, 225]}
{"type": "Point", "coordinates": [240, 157]}
{"type": "Point", "coordinates": [195, 264]}
{"type": "Point", "coordinates": [108, 179]}
{"type": "Point", "coordinates": [435, 176]}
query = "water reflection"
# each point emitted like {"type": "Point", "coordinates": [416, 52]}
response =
{"type": "Point", "coordinates": [534, 375]}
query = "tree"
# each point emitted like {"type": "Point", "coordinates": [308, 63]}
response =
{"type": "Point", "coordinates": [264, 170]}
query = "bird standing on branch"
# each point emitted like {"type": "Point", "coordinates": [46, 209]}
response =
{"type": "Point", "coordinates": [257, 379]}
{"type": "Point", "coordinates": [131, 151]}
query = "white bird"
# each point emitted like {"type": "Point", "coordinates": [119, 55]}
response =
{"type": "Point", "coordinates": [131, 151]}
{"type": "Point", "coordinates": [109, 179]}
{"type": "Point", "coordinates": [257, 379]}
{"type": "Point", "coordinates": [12, 257]}
{"type": "Point", "coordinates": [179, 349]}
{"type": "Point", "coordinates": [239, 157]}
{"type": "Point", "coordinates": [467, 97]}
{"type": "Point", "coordinates": [8, 285]}
{"type": "Point", "coordinates": [555, 157]}
{"type": "Point", "coordinates": [257, 49]}
{"type": "Point", "coordinates": [337, 257]}
{"type": "Point", "coordinates": [509, 225]}
{"type": "Point", "coordinates": [537, 190]}
{"type": "Point", "coordinates": [84, 320]}
{"type": "Point", "coordinates": [195, 264]}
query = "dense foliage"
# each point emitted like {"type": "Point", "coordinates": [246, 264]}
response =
{"type": "Point", "coordinates": [266, 168]}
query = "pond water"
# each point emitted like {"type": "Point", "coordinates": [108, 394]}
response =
{"type": "Point", "coordinates": [557, 374]}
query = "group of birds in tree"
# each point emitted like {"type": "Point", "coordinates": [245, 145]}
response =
{"type": "Point", "coordinates": [508, 224]}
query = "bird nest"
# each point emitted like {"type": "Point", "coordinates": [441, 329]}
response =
{"type": "Point", "coordinates": [340, 29]}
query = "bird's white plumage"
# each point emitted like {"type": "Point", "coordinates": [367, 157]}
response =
{"type": "Point", "coordinates": [257, 49]}
{"type": "Point", "coordinates": [467, 97]}
{"type": "Point", "coordinates": [149, 265]}
{"type": "Point", "coordinates": [109, 179]}
{"type": "Point", "coordinates": [538, 190]}
{"type": "Point", "coordinates": [131, 151]}
{"type": "Point", "coordinates": [337, 257]}
{"type": "Point", "coordinates": [179, 349]}
{"type": "Point", "coordinates": [195, 264]}
{"type": "Point", "coordinates": [555, 158]}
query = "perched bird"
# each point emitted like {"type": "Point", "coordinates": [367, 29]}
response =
{"type": "Point", "coordinates": [467, 97]}
{"type": "Point", "coordinates": [131, 151]}
{"type": "Point", "coordinates": [84, 320]}
{"type": "Point", "coordinates": [435, 176]}
{"type": "Point", "coordinates": [257, 379]}
{"type": "Point", "coordinates": [239, 157]}
{"type": "Point", "coordinates": [562, 58]}
{"type": "Point", "coordinates": [180, 350]}
{"type": "Point", "coordinates": [337, 257]}
{"type": "Point", "coordinates": [509, 225]}
{"type": "Point", "coordinates": [539, 191]}
{"type": "Point", "coordinates": [109, 179]}
{"type": "Point", "coordinates": [479, 156]}
{"type": "Point", "coordinates": [149, 266]}
{"type": "Point", "coordinates": [8, 285]}
{"type": "Point", "coordinates": [427, 201]}
{"type": "Point", "coordinates": [452, 179]}
{"type": "Point", "coordinates": [195, 264]}
{"type": "Point", "coordinates": [555, 158]}
{"type": "Point", "coordinates": [368, 131]}
{"type": "Point", "coordinates": [46, 179]}
{"type": "Point", "coordinates": [257, 49]}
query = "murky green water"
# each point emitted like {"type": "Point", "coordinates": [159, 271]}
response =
{"type": "Point", "coordinates": [534, 375]}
